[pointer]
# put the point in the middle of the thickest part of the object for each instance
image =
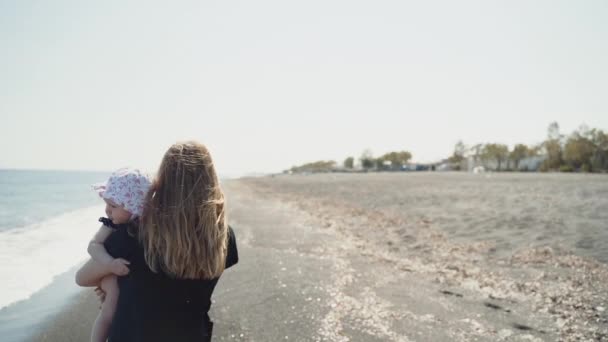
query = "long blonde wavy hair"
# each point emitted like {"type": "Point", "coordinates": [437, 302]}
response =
{"type": "Point", "coordinates": [183, 229]}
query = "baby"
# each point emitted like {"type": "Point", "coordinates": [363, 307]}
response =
{"type": "Point", "coordinates": [124, 193]}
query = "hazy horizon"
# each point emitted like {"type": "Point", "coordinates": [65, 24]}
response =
{"type": "Point", "coordinates": [271, 84]}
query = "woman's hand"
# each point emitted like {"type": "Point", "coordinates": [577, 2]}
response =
{"type": "Point", "coordinates": [119, 267]}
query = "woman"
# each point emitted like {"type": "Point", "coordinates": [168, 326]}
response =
{"type": "Point", "coordinates": [177, 254]}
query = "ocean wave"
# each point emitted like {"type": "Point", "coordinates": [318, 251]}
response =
{"type": "Point", "coordinates": [30, 257]}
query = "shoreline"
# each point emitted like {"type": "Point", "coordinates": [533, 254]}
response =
{"type": "Point", "coordinates": [21, 320]}
{"type": "Point", "coordinates": [73, 323]}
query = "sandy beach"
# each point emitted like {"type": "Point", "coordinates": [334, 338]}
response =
{"type": "Point", "coordinates": [407, 257]}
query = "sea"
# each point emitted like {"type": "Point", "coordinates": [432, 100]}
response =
{"type": "Point", "coordinates": [46, 221]}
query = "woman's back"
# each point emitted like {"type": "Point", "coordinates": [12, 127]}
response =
{"type": "Point", "coordinates": [155, 307]}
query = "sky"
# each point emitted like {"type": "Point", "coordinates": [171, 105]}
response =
{"type": "Point", "coordinates": [266, 85]}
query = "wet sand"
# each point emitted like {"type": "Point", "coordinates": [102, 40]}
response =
{"type": "Point", "coordinates": [409, 257]}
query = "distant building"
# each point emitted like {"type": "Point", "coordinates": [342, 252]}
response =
{"type": "Point", "coordinates": [526, 164]}
{"type": "Point", "coordinates": [532, 163]}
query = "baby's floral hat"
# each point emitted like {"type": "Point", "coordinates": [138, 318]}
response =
{"type": "Point", "coordinates": [126, 187]}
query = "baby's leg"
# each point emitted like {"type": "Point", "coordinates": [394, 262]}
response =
{"type": "Point", "coordinates": [101, 328]}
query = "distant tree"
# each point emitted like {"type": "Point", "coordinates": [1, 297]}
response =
{"type": "Point", "coordinates": [579, 150]}
{"type": "Point", "coordinates": [349, 163]}
{"type": "Point", "coordinates": [497, 152]}
{"type": "Point", "coordinates": [485, 154]}
{"type": "Point", "coordinates": [553, 148]}
{"type": "Point", "coordinates": [367, 159]}
{"type": "Point", "coordinates": [599, 160]}
{"type": "Point", "coordinates": [520, 151]}
{"type": "Point", "coordinates": [553, 131]}
{"type": "Point", "coordinates": [396, 159]}
{"type": "Point", "coordinates": [458, 155]}
{"type": "Point", "coordinates": [318, 166]}
{"type": "Point", "coordinates": [535, 150]}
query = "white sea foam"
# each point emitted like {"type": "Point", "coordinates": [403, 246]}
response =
{"type": "Point", "coordinates": [32, 256]}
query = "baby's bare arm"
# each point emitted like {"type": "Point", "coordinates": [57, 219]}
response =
{"type": "Point", "coordinates": [91, 273]}
{"type": "Point", "coordinates": [96, 249]}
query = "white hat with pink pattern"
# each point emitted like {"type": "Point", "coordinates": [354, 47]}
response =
{"type": "Point", "coordinates": [126, 187]}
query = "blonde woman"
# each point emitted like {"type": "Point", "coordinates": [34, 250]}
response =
{"type": "Point", "coordinates": [176, 255]}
